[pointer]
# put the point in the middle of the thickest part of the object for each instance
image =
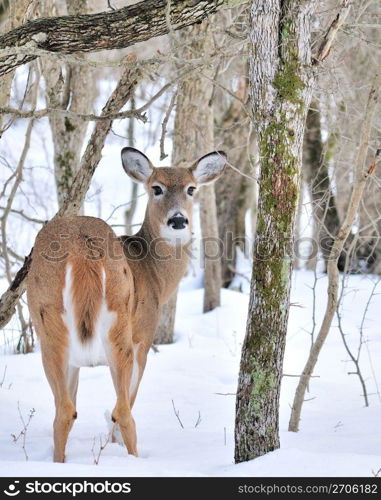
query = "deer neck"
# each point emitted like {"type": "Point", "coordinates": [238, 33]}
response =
{"type": "Point", "coordinates": [161, 266]}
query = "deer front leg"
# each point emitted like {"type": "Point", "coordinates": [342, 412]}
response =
{"type": "Point", "coordinates": [121, 414]}
{"type": "Point", "coordinates": [140, 359]}
{"type": "Point", "coordinates": [121, 360]}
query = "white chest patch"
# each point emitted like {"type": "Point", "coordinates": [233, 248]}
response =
{"type": "Point", "coordinates": [94, 352]}
{"type": "Point", "coordinates": [175, 236]}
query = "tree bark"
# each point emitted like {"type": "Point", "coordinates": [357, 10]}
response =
{"type": "Point", "coordinates": [103, 31]}
{"type": "Point", "coordinates": [131, 209]}
{"type": "Point", "coordinates": [166, 329]}
{"type": "Point", "coordinates": [13, 16]}
{"type": "Point", "coordinates": [193, 137]}
{"type": "Point", "coordinates": [234, 192]}
{"type": "Point", "coordinates": [70, 206]}
{"type": "Point", "coordinates": [280, 83]}
{"type": "Point", "coordinates": [69, 87]}
{"type": "Point", "coordinates": [194, 130]}
{"type": "Point", "coordinates": [318, 182]}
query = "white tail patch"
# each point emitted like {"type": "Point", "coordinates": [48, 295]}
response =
{"type": "Point", "coordinates": [135, 370]}
{"type": "Point", "coordinates": [94, 352]}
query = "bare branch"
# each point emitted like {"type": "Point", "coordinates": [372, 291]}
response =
{"type": "Point", "coordinates": [331, 33]}
{"type": "Point", "coordinates": [164, 124]}
{"type": "Point", "coordinates": [87, 32]}
{"type": "Point", "coordinates": [42, 113]}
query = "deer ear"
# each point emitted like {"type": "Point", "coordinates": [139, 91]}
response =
{"type": "Point", "coordinates": [136, 164]}
{"type": "Point", "coordinates": [209, 167]}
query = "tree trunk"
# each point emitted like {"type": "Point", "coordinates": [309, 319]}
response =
{"type": "Point", "coordinates": [166, 329]}
{"type": "Point", "coordinates": [318, 182]}
{"type": "Point", "coordinates": [131, 209]}
{"type": "Point", "coordinates": [69, 87]}
{"type": "Point", "coordinates": [280, 84]}
{"type": "Point", "coordinates": [102, 31]}
{"type": "Point", "coordinates": [12, 15]}
{"type": "Point", "coordinates": [234, 192]}
{"type": "Point", "coordinates": [193, 137]}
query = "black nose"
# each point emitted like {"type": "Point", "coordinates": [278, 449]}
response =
{"type": "Point", "coordinates": [178, 221]}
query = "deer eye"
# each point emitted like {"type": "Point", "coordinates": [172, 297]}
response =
{"type": "Point", "coordinates": [157, 190]}
{"type": "Point", "coordinates": [191, 190]}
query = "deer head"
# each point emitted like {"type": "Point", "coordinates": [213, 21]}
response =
{"type": "Point", "coordinates": [171, 191]}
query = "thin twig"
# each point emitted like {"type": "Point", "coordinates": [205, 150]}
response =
{"type": "Point", "coordinates": [3, 379]}
{"type": "Point", "coordinates": [177, 413]}
{"type": "Point", "coordinates": [25, 216]}
{"type": "Point", "coordinates": [198, 420]}
{"type": "Point", "coordinates": [102, 445]}
{"type": "Point", "coordinates": [23, 431]}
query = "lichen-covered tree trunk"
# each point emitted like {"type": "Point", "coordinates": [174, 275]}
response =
{"type": "Point", "coordinates": [280, 84]}
{"type": "Point", "coordinates": [318, 183]}
{"type": "Point", "coordinates": [69, 87]}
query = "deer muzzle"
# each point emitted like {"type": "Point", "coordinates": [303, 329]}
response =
{"type": "Point", "coordinates": [178, 221]}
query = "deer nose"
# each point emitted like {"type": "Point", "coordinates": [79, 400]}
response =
{"type": "Point", "coordinates": [178, 221]}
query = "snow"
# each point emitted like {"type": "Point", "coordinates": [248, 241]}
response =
{"type": "Point", "coordinates": [197, 377]}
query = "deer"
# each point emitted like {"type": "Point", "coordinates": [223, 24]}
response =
{"type": "Point", "coordinates": [96, 299]}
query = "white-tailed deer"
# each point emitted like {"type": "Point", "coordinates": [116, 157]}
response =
{"type": "Point", "coordinates": [95, 299]}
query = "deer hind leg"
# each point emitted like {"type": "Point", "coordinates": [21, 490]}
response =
{"type": "Point", "coordinates": [56, 372]}
{"type": "Point", "coordinates": [121, 366]}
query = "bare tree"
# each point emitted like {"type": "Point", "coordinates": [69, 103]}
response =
{"type": "Point", "coordinates": [361, 176]}
{"type": "Point", "coordinates": [234, 191]}
{"type": "Point", "coordinates": [280, 80]}
{"type": "Point", "coordinates": [68, 87]}
{"type": "Point", "coordinates": [316, 176]}
{"type": "Point", "coordinates": [89, 162]}
{"type": "Point", "coordinates": [193, 135]}
{"type": "Point", "coordinates": [131, 208]}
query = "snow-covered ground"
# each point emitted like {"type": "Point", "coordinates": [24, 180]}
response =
{"type": "Point", "coordinates": [198, 375]}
